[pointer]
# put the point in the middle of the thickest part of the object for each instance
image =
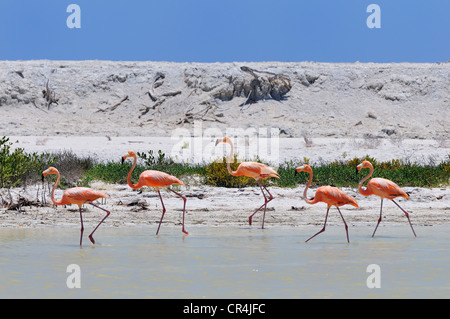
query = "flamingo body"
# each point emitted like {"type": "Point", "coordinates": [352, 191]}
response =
{"type": "Point", "coordinates": [333, 196]}
{"type": "Point", "coordinates": [157, 179]}
{"type": "Point", "coordinates": [383, 188]}
{"type": "Point", "coordinates": [80, 196]}
{"type": "Point", "coordinates": [255, 170]}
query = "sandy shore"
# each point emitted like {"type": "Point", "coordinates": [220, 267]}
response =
{"type": "Point", "coordinates": [215, 206]}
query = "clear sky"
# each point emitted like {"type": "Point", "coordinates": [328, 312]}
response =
{"type": "Point", "coordinates": [226, 30]}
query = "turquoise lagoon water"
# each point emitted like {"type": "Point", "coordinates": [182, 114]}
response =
{"type": "Point", "coordinates": [232, 262]}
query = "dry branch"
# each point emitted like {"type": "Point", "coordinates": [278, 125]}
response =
{"type": "Point", "coordinates": [49, 96]}
{"type": "Point", "coordinates": [151, 92]}
{"type": "Point", "coordinates": [112, 108]}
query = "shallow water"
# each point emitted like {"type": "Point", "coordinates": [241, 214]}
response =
{"type": "Point", "coordinates": [235, 262]}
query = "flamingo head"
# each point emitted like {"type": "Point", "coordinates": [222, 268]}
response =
{"type": "Point", "coordinates": [50, 170]}
{"type": "Point", "coordinates": [226, 139]}
{"type": "Point", "coordinates": [130, 154]}
{"type": "Point", "coordinates": [364, 164]}
{"type": "Point", "coordinates": [303, 168]}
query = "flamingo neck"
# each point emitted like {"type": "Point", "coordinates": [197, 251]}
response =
{"type": "Point", "coordinates": [305, 198]}
{"type": "Point", "coordinates": [129, 176]}
{"type": "Point", "coordinates": [56, 202]}
{"type": "Point", "coordinates": [230, 158]}
{"type": "Point", "coordinates": [365, 191]}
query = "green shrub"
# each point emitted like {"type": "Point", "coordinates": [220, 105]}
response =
{"type": "Point", "coordinates": [18, 167]}
{"type": "Point", "coordinates": [111, 172]}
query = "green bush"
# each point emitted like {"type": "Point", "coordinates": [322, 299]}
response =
{"type": "Point", "coordinates": [18, 167]}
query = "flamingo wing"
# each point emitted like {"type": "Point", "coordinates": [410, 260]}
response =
{"type": "Point", "coordinates": [81, 195]}
{"type": "Point", "coordinates": [386, 188]}
{"type": "Point", "coordinates": [256, 170]}
{"type": "Point", "coordinates": [153, 178]}
{"type": "Point", "coordinates": [334, 196]}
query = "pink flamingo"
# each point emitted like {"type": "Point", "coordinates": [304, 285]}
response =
{"type": "Point", "coordinates": [77, 196]}
{"type": "Point", "coordinates": [254, 170]}
{"type": "Point", "coordinates": [383, 188]}
{"type": "Point", "coordinates": [330, 195]}
{"type": "Point", "coordinates": [155, 179]}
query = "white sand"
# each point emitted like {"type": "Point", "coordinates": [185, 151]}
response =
{"type": "Point", "coordinates": [215, 206]}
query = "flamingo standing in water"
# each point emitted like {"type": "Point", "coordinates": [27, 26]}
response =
{"type": "Point", "coordinates": [330, 195]}
{"type": "Point", "coordinates": [384, 188]}
{"type": "Point", "coordinates": [77, 196]}
{"type": "Point", "coordinates": [254, 170]}
{"type": "Point", "coordinates": [155, 179]}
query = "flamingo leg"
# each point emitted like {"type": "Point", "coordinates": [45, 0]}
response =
{"type": "Point", "coordinates": [107, 214]}
{"type": "Point", "coordinates": [379, 219]}
{"type": "Point", "coordinates": [265, 204]}
{"type": "Point", "coordinates": [407, 216]}
{"type": "Point", "coordinates": [184, 208]}
{"type": "Point", "coordinates": [346, 227]}
{"type": "Point", "coordinates": [163, 212]}
{"type": "Point", "coordinates": [270, 198]}
{"type": "Point", "coordinates": [82, 227]}
{"type": "Point", "coordinates": [323, 229]}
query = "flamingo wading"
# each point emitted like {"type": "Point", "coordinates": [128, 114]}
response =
{"type": "Point", "coordinates": [254, 170]}
{"type": "Point", "coordinates": [77, 196]}
{"type": "Point", "coordinates": [383, 188]}
{"type": "Point", "coordinates": [155, 179]}
{"type": "Point", "coordinates": [330, 195]}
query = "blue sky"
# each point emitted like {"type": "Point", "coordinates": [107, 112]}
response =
{"type": "Point", "coordinates": [226, 30]}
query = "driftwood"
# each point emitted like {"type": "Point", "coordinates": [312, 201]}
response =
{"type": "Point", "coordinates": [261, 86]}
{"type": "Point", "coordinates": [112, 108]}
{"type": "Point", "coordinates": [171, 93]}
{"type": "Point", "coordinates": [148, 108]}
{"type": "Point", "coordinates": [34, 103]}
{"type": "Point", "coordinates": [49, 96]}
{"type": "Point", "coordinates": [274, 86]}
{"type": "Point", "coordinates": [200, 115]}
{"type": "Point", "coordinates": [155, 84]}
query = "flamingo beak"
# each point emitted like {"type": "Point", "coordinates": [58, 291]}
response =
{"type": "Point", "coordinates": [218, 141]}
{"type": "Point", "coordinates": [44, 173]}
{"type": "Point", "coordinates": [123, 159]}
{"type": "Point", "coordinates": [296, 172]}
{"type": "Point", "coordinates": [358, 168]}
